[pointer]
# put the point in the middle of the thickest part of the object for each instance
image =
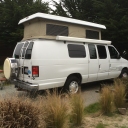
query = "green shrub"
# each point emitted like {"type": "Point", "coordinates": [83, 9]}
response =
{"type": "Point", "coordinates": [18, 113]}
{"type": "Point", "coordinates": [77, 113]}
{"type": "Point", "coordinates": [106, 101]}
{"type": "Point", "coordinates": [119, 93]}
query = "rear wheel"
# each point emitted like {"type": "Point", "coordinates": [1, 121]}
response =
{"type": "Point", "coordinates": [124, 73]}
{"type": "Point", "coordinates": [72, 84]}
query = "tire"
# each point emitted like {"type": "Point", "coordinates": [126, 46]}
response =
{"type": "Point", "coordinates": [72, 85]}
{"type": "Point", "coordinates": [124, 73]}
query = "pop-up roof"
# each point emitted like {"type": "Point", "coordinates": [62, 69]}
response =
{"type": "Point", "coordinates": [62, 19]}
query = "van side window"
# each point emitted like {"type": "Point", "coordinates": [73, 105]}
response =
{"type": "Point", "coordinates": [102, 52]}
{"type": "Point", "coordinates": [92, 51]}
{"type": "Point", "coordinates": [17, 50]}
{"type": "Point", "coordinates": [29, 51]}
{"type": "Point", "coordinates": [76, 51]}
{"type": "Point", "coordinates": [55, 30]}
{"type": "Point", "coordinates": [113, 52]}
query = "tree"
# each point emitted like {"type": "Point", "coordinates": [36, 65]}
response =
{"type": "Point", "coordinates": [111, 13]}
{"type": "Point", "coordinates": [78, 9]}
{"type": "Point", "coordinates": [11, 11]}
{"type": "Point", "coordinates": [14, 10]}
{"type": "Point", "coordinates": [114, 15]}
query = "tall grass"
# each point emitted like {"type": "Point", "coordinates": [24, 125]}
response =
{"type": "Point", "coordinates": [106, 101]}
{"type": "Point", "coordinates": [120, 93]}
{"type": "Point", "coordinates": [50, 111]}
{"type": "Point", "coordinates": [77, 113]}
{"type": "Point", "coordinates": [57, 110]}
{"type": "Point", "coordinates": [18, 113]}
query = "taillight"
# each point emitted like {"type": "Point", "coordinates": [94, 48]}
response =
{"type": "Point", "coordinates": [35, 71]}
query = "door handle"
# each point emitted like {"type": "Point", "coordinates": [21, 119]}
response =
{"type": "Point", "coordinates": [99, 65]}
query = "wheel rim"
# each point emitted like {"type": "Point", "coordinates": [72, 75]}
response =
{"type": "Point", "coordinates": [125, 75]}
{"type": "Point", "coordinates": [73, 87]}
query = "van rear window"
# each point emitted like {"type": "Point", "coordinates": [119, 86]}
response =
{"type": "Point", "coordinates": [26, 52]}
{"type": "Point", "coordinates": [17, 50]}
{"type": "Point", "coordinates": [29, 51]}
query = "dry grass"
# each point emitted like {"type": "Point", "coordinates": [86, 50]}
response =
{"type": "Point", "coordinates": [57, 110]}
{"type": "Point", "coordinates": [18, 113]}
{"type": "Point", "coordinates": [119, 93]}
{"type": "Point", "coordinates": [106, 100]}
{"type": "Point", "coordinates": [77, 113]}
{"type": "Point", "coordinates": [50, 111]}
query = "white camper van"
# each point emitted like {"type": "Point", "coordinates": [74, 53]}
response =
{"type": "Point", "coordinates": [62, 52]}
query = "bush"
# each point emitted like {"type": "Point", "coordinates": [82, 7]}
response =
{"type": "Point", "coordinates": [119, 93]}
{"type": "Point", "coordinates": [56, 111]}
{"type": "Point", "coordinates": [106, 101]}
{"type": "Point", "coordinates": [77, 113]}
{"type": "Point", "coordinates": [18, 113]}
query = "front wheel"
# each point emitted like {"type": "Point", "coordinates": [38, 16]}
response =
{"type": "Point", "coordinates": [124, 73]}
{"type": "Point", "coordinates": [72, 85]}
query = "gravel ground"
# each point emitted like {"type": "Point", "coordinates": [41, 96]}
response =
{"type": "Point", "coordinates": [89, 93]}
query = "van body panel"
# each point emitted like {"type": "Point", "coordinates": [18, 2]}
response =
{"type": "Point", "coordinates": [55, 64]}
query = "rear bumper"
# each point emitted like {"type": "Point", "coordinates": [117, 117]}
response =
{"type": "Point", "coordinates": [25, 86]}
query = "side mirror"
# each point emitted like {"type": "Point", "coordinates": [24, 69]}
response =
{"type": "Point", "coordinates": [118, 56]}
{"type": "Point", "coordinates": [124, 53]}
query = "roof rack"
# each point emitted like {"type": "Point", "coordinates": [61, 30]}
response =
{"type": "Point", "coordinates": [84, 40]}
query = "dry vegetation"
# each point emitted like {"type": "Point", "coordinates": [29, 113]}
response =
{"type": "Point", "coordinates": [54, 110]}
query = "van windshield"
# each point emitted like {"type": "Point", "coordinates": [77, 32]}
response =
{"type": "Point", "coordinates": [17, 50]}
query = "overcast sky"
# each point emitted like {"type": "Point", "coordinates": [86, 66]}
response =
{"type": "Point", "coordinates": [51, 4]}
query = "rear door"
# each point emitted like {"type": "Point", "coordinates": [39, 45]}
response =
{"type": "Point", "coordinates": [23, 53]}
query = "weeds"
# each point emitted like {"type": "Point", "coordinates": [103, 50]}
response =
{"type": "Point", "coordinates": [106, 101]}
{"type": "Point", "coordinates": [77, 113]}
